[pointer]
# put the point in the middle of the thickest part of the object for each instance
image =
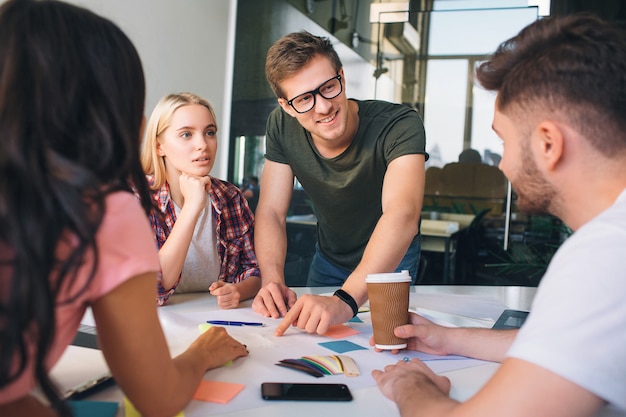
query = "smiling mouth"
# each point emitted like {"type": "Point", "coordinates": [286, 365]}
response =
{"type": "Point", "coordinates": [200, 160]}
{"type": "Point", "coordinates": [329, 118]}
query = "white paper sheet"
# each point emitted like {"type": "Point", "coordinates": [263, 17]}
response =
{"type": "Point", "coordinates": [266, 350]}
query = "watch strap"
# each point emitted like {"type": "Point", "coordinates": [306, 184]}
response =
{"type": "Point", "coordinates": [347, 298]}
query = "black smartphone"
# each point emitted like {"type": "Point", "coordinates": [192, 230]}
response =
{"type": "Point", "coordinates": [305, 391]}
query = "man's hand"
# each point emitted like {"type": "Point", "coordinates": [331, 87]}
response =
{"type": "Point", "coordinates": [274, 300]}
{"type": "Point", "coordinates": [422, 335]}
{"type": "Point", "coordinates": [315, 314]}
{"type": "Point", "coordinates": [401, 381]}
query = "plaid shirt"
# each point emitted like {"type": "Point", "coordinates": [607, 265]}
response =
{"type": "Point", "coordinates": [234, 230]}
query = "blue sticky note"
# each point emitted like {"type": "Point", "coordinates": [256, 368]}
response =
{"type": "Point", "coordinates": [355, 319]}
{"type": "Point", "coordinates": [341, 346]}
{"type": "Point", "coordinates": [93, 408]}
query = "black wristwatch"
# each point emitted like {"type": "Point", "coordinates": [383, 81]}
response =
{"type": "Point", "coordinates": [347, 298]}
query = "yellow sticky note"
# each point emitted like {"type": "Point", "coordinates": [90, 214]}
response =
{"type": "Point", "coordinates": [131, 411]}
{"type": "Point", "coordinates": [204, 327]}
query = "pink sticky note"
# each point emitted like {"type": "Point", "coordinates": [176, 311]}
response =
{"type": "Point", "coordinates": [217, 392]}
{"type": "Point", "coordinates": [339, 331]}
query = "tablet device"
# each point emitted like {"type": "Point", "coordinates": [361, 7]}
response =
{"type": "Point", "coordinates": [510, 319]}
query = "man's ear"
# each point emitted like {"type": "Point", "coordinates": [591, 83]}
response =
{"type": "Point", "coordinates": [551, 143]}
{"type": "Point", "coordinates": [286, 107]}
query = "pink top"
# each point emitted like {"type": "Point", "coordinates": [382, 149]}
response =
{"type": "Point", "coordinates": [126, 248]}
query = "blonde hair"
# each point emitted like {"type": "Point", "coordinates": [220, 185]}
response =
{"type": "Point", "coordinates": [159, 121]}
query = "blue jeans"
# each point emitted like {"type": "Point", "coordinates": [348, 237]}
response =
{"type": "Point", "coordinates": [324, 273]}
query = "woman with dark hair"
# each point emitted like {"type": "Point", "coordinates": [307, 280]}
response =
{"type": "Point", "coordinates": [73, 234]}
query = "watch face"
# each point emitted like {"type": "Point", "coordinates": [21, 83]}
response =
{"type": "Point", "coordinates": [310, 6]}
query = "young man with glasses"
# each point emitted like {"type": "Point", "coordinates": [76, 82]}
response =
{"type": "Point", "coordinates": [362, 164]}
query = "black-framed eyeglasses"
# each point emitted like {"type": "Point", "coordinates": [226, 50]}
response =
{"type": "Point", "coordinates": [306, 101]}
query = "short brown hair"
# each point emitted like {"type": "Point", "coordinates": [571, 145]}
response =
{"type": "Point", "coordinates": [292, 52]}
{"type": "Point", "coordinates": [573, 67]}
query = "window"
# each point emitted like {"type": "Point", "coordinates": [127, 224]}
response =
{"type": "Point", "coordinates": [458, 113]}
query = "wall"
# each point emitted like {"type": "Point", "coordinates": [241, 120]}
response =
{"type": "Point", "coordinates": [184, 46]}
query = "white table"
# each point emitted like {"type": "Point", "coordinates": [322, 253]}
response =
{"type": "Point", "coordinates": [459, 305]}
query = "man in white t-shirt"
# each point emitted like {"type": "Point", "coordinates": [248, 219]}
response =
{"type": "Point", "coordinates": [561, 114]}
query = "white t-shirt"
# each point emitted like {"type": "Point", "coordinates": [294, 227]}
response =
{"type": "Point", "coordinates": [577, 326]}
{"type": "Point", "coordinates": [202, 263]}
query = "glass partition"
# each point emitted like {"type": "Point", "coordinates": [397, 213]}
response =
{"type": "Point", "coordinates": [248, 160]}
{"type": "Point", "coordinates": [445, 109]}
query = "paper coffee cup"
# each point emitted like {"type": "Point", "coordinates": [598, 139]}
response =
{"type": "Point", "coordinates": [389, 307]}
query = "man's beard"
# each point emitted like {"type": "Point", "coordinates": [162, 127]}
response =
{"type": "Point", "coordinates": [535, 195]}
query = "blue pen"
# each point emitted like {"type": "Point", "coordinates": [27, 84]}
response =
{"type": "Point", "coordinates": [235, 323]}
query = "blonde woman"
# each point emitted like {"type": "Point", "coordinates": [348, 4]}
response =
{"type": "Point", "coordinates": [205, 228]}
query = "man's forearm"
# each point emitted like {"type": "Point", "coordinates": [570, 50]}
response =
{"type": "Point", "coordinates": [270, 243]}
{"type": "Point", "coordinates": [485, 344]}
{"type": "Point", "coordinates": [384, 251]}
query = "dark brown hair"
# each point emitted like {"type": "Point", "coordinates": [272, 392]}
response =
{"type": "Point", "coordinates": [71, 108]}
{"type": "Point", "coordinates": [292, 52]}
{"type": "Point", "coordinates": [574, 66]}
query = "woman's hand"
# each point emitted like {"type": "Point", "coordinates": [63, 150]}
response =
{"type": "Point", "coordinates": [194, 191]}
{"type": "Point", "coordinates": [228, 295]}
{"type": "Point", "coordinates": [218, 347]}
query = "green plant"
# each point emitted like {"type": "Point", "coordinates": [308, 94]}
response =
{"type": "Point", "coordinates": [532, 259]}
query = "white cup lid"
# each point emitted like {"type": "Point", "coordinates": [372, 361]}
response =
{"type": "Point", "coordinates": [389, 277]}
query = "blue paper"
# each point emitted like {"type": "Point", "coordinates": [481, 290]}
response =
{"type": "Point", "coordinates": [341, 346]}
{"type": "Point", "coordinates": [94, 408]}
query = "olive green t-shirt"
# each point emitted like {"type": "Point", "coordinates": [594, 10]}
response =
{"type": "Point", "coordinates": [346, 190]}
